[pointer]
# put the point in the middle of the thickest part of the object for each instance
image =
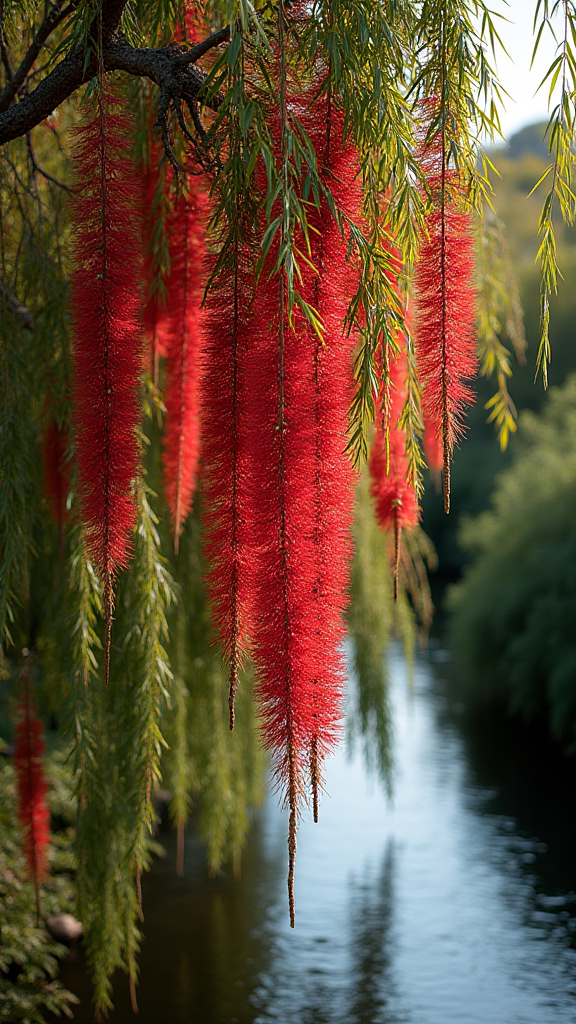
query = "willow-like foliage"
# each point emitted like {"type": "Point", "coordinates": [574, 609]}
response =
{"type": "Point", "coordinates": [215, 774]}
{"type": "Point", "coordinates": [499, 320]}
{"type": "Point", "coordinates": [115, 813]}
{"type": "Point", "coordinates": [374, 618]}
{"type": "Point", "coordinates": [384, 608]}
{"type": "Point", "coordinates": [18, 489]}
{"type": "Point", "coordinates": [236, 110]}
{"type": "Point", "coordinates": [558, 16]}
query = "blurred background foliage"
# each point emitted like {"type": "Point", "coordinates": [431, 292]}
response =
{"type": "Point", "coordinates": [512, 615]}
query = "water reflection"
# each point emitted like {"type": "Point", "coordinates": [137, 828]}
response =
{"type": "Point", "coordinates": [373, 939]}
{"type": "Point", "coordinates": [453, 905]}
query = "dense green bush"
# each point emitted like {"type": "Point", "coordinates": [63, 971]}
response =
{"type": "Point", "coordinates": [512, 617]}
{"type": "Point", "coordinates": [28, 955]}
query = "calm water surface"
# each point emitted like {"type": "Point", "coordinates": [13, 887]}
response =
{"type": "Point", "coordinates": [455, 904]}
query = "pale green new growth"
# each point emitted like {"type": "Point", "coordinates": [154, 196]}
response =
{"type": "Point", "coordinates": [559, 174]}
{"type": "Point", "coordinates": [499, 316]}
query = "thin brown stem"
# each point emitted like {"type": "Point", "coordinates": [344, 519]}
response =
{"type": "Point", "coordinates": [397, 548]}
{"type": "Point", "coordinates": [292, 772]}
{"type": "Point", "coordinates": [292, 832]}
{"type": "Point", "coordinates": [235, 652]}
{"type": "Point", "coordinates": [139, 891]}
{"type": "Point", "coordinates": [314, 776]}
{"type": "Point", "coordinates": [446, 445]}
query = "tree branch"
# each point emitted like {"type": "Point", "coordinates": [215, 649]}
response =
{"type": "Point", "coordinates": [159, 65]}
{"type": "Point", "coordinates": [197, 51]}
{"type": "Point", "coordinates": [51, 21]}
{"type": "Point", "coordinates": [22, 314]}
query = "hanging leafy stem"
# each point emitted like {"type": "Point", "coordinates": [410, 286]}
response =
{"type": "Point", "coordinates": [499, 317]}
{"type": "Point", "coordinates": [559, 173]}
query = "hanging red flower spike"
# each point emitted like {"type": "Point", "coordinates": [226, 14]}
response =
{"type": "Point", "coordinates": [299, 486]}
{"type": "Point", "coordinates": [445, 306]}
{"type": "Point", "coordinates": [396, 503]}
{"type": "Point", "coordinates": [32, 787]}
{"type": "Point", "coordinates": [330, 291]}
{"type": "Point", "coordinates": [228, 331]}
{"type": "Point", "coordinates": [107, 347]}
{"type": "Point", "coordinates": [186, 231]}
{"type": "Point", "coordinates": [281, 510]}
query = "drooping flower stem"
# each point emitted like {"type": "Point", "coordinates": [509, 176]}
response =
{"type": "Point", "coordinates": [445, 298]}
{"type": "Point", "coordinates": [107, 353]}
{"type": "Point", "coordinates": [185, 338]}
{"type": "Point", "coordinates": [32, 810]}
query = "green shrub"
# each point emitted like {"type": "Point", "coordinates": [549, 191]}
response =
{"type": "Point", "coordinates": [513, 615]}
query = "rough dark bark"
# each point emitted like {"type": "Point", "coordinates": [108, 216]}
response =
{"type": "Point", "coordinates": [158, 65]}
{"type": "Point", "coordinates": [171, 68]}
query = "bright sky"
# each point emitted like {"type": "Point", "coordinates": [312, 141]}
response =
{"type": "Point", "coordinates": [523, 107]}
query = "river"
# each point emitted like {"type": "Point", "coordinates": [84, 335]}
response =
{"type": "Point", "coordinates": [453, 904]}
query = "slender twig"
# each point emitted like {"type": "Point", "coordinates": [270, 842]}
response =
{"type": "Point", "coordinates": [40, 170]}
{"type": "Point", "coordinates": [52, 19]}
{"type": "Point", "coordinates": [22, 314]}
{"type": "Point", "coordinates": [198, 51]}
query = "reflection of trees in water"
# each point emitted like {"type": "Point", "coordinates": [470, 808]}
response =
{"type": "Point", "coordinates": [370, 624]}
{"type": "Point", "coordinates": [372, 944]}
{"type": "Point", "coordinates": [524, 787]}
{"type": "Point", "coordinates": [320, 1004]}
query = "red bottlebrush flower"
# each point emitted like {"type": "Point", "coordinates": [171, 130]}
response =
{"type": "Point", "coordinates": [445, 319]}
{"type": "Point", "coordinates": [228, 330]}
{"type": "Point", "coordinates": [32, 810]}
{"type": "Point", "coordinates": [330, 291]}
{"type": "Point", "coordinates": [194, 20]}
{"type": "Point", "coordinates": [445, 305]}
{"type": "Point", "coordinates": [107, 350]}
{"type": "Point", "coordinates": [299, 498]}
{"type": "Point", "coordinates": [56, 474]}
{"type": "Point", "coordinates": [280, 508]}
{"type": "Point", "coordinates": [186, 231]}
{"type": "Point", "coordinates": [396, 502]}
